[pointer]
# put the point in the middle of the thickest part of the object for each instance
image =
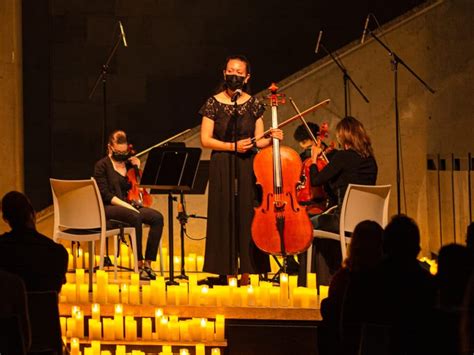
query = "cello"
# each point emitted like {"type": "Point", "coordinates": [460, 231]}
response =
{"type": "Point", "coordinates": [280, 225]}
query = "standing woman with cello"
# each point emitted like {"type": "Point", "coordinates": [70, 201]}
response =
{"type": "Point", "coordinates": [115, 178]}
{"type": "Point", "coordinates": [233, 109]}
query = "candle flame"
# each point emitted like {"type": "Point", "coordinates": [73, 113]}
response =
{"type": "Point", "coordinates": [205, 289]}
{"type": "Point", "coordinates": [233, 282]}
{"type": "Point", "coordinates": [118, 309]}
{"type": "Point", "coordinates": [203, 322]}
{"type": "Point", "coordinates": [158, 312]}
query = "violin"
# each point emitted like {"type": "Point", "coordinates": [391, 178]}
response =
{"type": "Point", "coordinates": [137, 196]}
{"type": "Point", "coordinates": [314, 197]}
{"type": "Point", "coordinates": [280, 225]}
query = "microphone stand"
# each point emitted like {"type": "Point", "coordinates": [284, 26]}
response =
{"type": "Point", "coordinates": [395, 60]}
{"type": "Point", "coordinates": [103, 78]}
{"type": "Point", "coordinates": [235, 193]}
{"type": "Point", "coordinates": [345, 77]}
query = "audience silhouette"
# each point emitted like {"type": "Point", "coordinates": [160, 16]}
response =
{"type": "Point", "coordinates": [37, 259]}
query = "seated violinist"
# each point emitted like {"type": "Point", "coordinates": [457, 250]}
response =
{"type": "Point", "coordinates": [316, 199]}
{"type": "Point", "coordinates": [111, 175]}
{"type": "Point", "coordinates": [355, 164]}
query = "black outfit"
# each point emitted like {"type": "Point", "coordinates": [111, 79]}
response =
{"type": "Point", "coordinates": [111, 184]}
{"type": "Point", "coordinates": [346, 167]}
{"type": "Point", "coordinates": [37, 259]}
{"type": "Point", "coordinates": [222, 253]}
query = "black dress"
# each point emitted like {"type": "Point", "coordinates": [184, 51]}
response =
{"type": "Point", "coordinates": [222, 252]}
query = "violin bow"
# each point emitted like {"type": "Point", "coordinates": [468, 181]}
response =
{"type": "Point", "coordinates": [307, 128]}
{"type": "Point", "coordinates": [291, 119]}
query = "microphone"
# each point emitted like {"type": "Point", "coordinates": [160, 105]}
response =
{"type": "Point", "coordinates": [122, 32]}
{"type": "Point", "coordinates": [316, 50]}
{"type": "Point", "coordinates": [366, 26]}
{"type": "Point", "coordinates": [236, 95]}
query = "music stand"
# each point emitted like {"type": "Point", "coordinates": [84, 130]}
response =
{"type": "Point", "coordinates": [170, 170]}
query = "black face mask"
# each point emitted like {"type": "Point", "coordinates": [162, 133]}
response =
{"type": "Point", "coordinates": [234, 82]}
{"type": "Point", "coordinates": [120, 157]}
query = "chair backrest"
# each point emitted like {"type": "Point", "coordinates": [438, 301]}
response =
{"type": "Point", "coordinates": [44, 321]}
{"type": "Point", "coordinates": [77, 204]}
{"type": "Point", "coordinates": [363, 202]}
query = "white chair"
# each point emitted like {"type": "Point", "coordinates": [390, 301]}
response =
{"type": "Point", "coordinates": [361, 202]}
{"type": "Point", "coordinates": [79, 216]}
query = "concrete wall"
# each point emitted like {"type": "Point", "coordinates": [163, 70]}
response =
{"type": "Point", "coordinates": [436, 42]}
{"type": "Point", "coordinates": [11, 122]}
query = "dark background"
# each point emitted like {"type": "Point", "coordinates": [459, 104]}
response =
{"type": "Point", "coordinates": [174, 60]}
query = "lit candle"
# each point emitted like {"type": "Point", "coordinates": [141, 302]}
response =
{"type": "Point", "coordinates": [171, 294]}
{"type": "Point", "coordinates": [118, 322]}
{"type": "Point", "coordinates": [92, 332]}
{"type": "Point", "coordinates": [74, 346]}
{"type": "Point", "coordinates": [113, 294]}
{"type": "Point", "coordinates": [200, 262]}
{"type": "Point", "coordinates": [79, 258]}
{"type": "Point", "coordinates": [80, 324]}
{"type": "Point", "coordinates": [96, 311]}
{"type": "Point", "coordinates": [166, 349]}
{"type": "Point", "coordinates": [209, 331]}
{"type": "Point", "coordinates": [177, 263]}
{"type": "Point", "coordinates": [284, 291]}
{"type": "Point", "coordinates": [203, 329]}
{"type": "Point", "coordinates": [134, 296]}
{"type": "Point", "coordinates": [79, 276]}
{"type": "Point", "coordinates": [173, 327]}
{"type": "Point", "coordinates": [311, 280]}
{"type": "Point", "coordinates": [250, 296]}
{"type": "Point", "coordinates": [71, 327]}
{"type": "Point", "coordinates": [254, 280]}
{"type": "Point", "coordinates": [158, 315]}
{"type": "Point", "coordinates": [135, 279]}
{"type": "Point", "coordinates": [146, 295]}
{"type": "Point", "coordinates": [183, 352]}
{"type": "Point", "coordinates": [191, 265]}
{"type": "Point", "coordinates": [203, 295]}
{"type": "Point", "coordinates": [293, 283]}
{"type": "Point", "coordinates": [264, 294]}
{"type": "Point", "coordinates": [184, 331]}
{"type": "Point", "coordinates": [124, 294]}
{"type": "Point", "coordinates": [161, 291]}
{"type": "Point", "coordinates": [182, 299]}
{"type": "Point", "coordinates": [62, 321]}
{"type": "Point", "coordinates": [120, 350]}
{"type": "Point", "coordinates": [109, 330]}
{"type": "Point", "coordinates": [220, 326]}
{"type": "Point", "coordinates": [305, 297]}
{"type": "Point", "coordinates": [70, 259]}
{"type": "Point", "coordinates": [102, 281]}
{"type": "Point", "coordinates": [146, 328]}
{"type": "Point", "coordinates": [215, 351]}
{"type": "Point", "coordinates": [95, 345]}
{"type": "Point", "coordinates": [274, 297]}
{"type": "Point", "coordinates": [83, 293]}
{"type": "Point", "coordinates": [70, 293]}
{"type": "Point", "coordinates": [130, 328]}
{"type": "Point", "coordinates": [200, 350]}
{"type": "Point", "coordinates": [163, 329]}
{"type": "Point", "coordinates": [298, 297]}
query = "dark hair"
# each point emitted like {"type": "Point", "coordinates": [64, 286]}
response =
{"type": "Point", "coordinates": [351, 132]}
{"type": "Point", "coordinates": [365, 250]}
{"type": "Point", "coordinates": [17, 210]}
{"type": "Point", "coordinates": [402, 238]}
{"type": "Point", "coordinates": [223, 86]}
{"type": "Point", "coordinates": [118, 136]}
{"type": "Point", "coordinates": [301, 133]}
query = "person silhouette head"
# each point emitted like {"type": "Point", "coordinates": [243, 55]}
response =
{"type": "Point", "coordinates": [17, 210]}
{"type": "Point", "coordinates": [402, 238]}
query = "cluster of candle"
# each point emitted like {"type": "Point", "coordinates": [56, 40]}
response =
{"type": "Point", "coordinates": [167, 328]}
{"type": "Point", "coordinates": [95, 349]}
{"type": "Point", "coordinates": [192, 262]}
{"type": "Point", "coordinates": [257, 294]}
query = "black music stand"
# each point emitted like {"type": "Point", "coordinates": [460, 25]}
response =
{"type": "Point", "coordinates": [170, 170]}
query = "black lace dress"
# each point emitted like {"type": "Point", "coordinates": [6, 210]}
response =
{"type": "Point", "coordinates": [223, 252]}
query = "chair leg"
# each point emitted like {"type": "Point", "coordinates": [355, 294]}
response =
{"type": "Point", "coordinates": [133, 238]}
{"type": "Point", "coordinates": [162, 269]}
{"type": "Point", "coordinates": [115, 256]}
{"type": "Point", "coordinates": [91, 264]}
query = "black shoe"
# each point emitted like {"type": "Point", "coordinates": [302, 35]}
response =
{"type": "Point", "coordinates": [144, 276]}
{"type": "Point", "coordinates": [150, 272]}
